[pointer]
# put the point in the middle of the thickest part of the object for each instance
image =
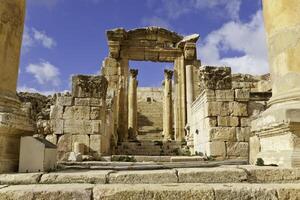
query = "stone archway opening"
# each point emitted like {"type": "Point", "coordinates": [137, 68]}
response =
{"type": "Point", "coordinates": [150, 100]}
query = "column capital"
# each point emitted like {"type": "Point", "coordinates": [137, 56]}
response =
{"type": "Point", "coordinates": [133, 73]}
{"type": "Point", "coordinates": [168, 74]}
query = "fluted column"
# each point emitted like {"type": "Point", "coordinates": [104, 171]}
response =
{"type": "Point", "coordinates": [132, 104]}
{"type": "Point", "coordinates": [278, 128]}
{"type": "Point", "coordinates": [168, 106]}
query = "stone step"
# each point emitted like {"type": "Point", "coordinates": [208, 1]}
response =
{"type": "Point", "coordinates": [208, 175]}
{"type": "Point", "coordinates": [241, 191]}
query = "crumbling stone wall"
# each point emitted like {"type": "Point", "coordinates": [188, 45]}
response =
{"type": "Point", "coordinates": [81, 118]}
{"type": "Point", "coordinates": [221, 114]}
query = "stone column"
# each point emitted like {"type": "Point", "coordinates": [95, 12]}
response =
{"type": "Point", "coordinates": [189, 90]}
{"type": "Point", "coordinates": [168, 106]}
{"type": "Point", "coordinates": [13, 122]}
{"type": "Point", "coordinates": [132, 104]}
{"type": "Point", "coordinates": [278, 128]}
{"type": "Point", "coordinates": [189, 100]}
{"type": "Point", "coordinates": [12, 13]}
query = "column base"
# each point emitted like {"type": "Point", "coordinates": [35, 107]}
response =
{"type": "Point", "coordinates": [13, 124]}
{"type": "Point", "coordinates": [278, 131]}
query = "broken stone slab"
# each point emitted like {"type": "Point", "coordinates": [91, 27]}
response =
{"type": "Point", "coordinates": [269, 174]}
{"type": "Point", "coordinates": [211, 175]}
{"type": "Point", "coordinates": [17, 179]}
{"type": "Point", "coordinates": [143, 177]}
{"type": "Point", "coordinates": [61, 191]}
{"type": "Point", "coordinates": [76, 176]}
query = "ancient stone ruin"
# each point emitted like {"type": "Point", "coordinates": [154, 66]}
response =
{"type": "Point", "coordinates": [108, 133]}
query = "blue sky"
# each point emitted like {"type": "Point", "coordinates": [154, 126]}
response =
{"type": "Point", "coordinates": [65, 37]}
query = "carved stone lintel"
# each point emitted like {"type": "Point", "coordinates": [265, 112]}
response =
{"type": "Point", "coordinates": [168, 74]}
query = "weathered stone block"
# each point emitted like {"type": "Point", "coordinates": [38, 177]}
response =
{"type": "Point", "coordinates": [95, 113]}
{"type": "Point", "coordinates": [57, 126]}
{"type": "Point", "coordinates": [93, 177]}
{"type": "Point", "coordinates": [96, 146]}
{"type": "Point", "coordinates": [97, 127]}
{"type": "Point", "coordinates": [211, 175]}
{"type": "Point", "coordinates": [254, 146]}
{"type": "Point", "coordinates": [52, 138]}
{"type": "Point", "coordinates": [216, 109]}
{"type": "Point", "coordinates": [244, 121]}
{"type": "Point", "coordinates": [243, 134]}
{"type": "Point", "coordinates": [241, 85]}
{"type": "Point", "coordinates": [82, 139]}
{"type": "Point", "coordinates": [237, 149]}
{"type": "Point", "coordinates": [242, 94]}
{"type": "Point", "coordinates": [222, 134]}
{"type": "Point", "coordinates": [210, 122]}
{"type": "Point", "coordinates": [77, 127]}
{"type": "Point", "coordinates": [95, 102]}
{"type": "Point", "coordinates": [228, 121]}
{"type": "Point", "coordinates": [77, 113]}
{"type": "Point", "coordinates": [89, 86]}
{"type": "Point", "coordinates": [64, 101]}
{"type": "Point", "coordinates": [64, 145]}
{"type": "Point", "coordinates": [56, 112]}
{"type": "Point", "coordinates": [224, 95]}
{"type": "Point", "coordinates": [216, 148]}
{"type": "Point", "coordinates": [143, 177]}
{"type": "Point", "coordinates": [238, 109]}
{"type": "Point", "coordinates": [215, 78]}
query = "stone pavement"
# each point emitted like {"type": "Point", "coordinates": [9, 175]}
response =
{"type": "Point", "coordinates": [224, 182]}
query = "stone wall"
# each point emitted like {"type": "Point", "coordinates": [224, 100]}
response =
{"type": "Point", "coordinates": [150, 109]}
{"type": "Point", "coordinates": [220, 122]}
{"type": "Point", "coordinates": [81, 118]}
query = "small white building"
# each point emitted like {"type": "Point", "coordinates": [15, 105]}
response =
{"type": "Point", "coordinates": [37, 155]}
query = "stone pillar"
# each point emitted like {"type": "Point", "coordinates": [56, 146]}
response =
{"type": "Point", "coordinates": [132, 104]}
{"type": "Point", "coordinates": [278, 128]}
{"type": "Point", "coordinates": [168, 106]}
{"type": "Point", "coordinates": [189, 90]}
{"type": "Point", "coordinates": [13, 122]}
{"type": "Point", "coordinates": [189, 100]}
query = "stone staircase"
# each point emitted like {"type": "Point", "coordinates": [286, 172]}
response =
{"type": "Point", "coordinates": [155, 135]}
{"type": "Point", "coordinates": [238, 182]}
{"type": "Point", "coordinates": [149, 148]}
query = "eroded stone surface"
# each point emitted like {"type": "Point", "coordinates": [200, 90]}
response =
{"type": "Point", "coordinates": [137, 177]}
{"type": "Point", "coordinates": [93, 177]}
{"type": "Point", "coordinates": [211, 175]}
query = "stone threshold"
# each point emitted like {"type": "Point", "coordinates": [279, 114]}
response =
{"type": "Point", "coordinates": [223, 174]}
{"type": "Point", "coordinates": [181, 191]}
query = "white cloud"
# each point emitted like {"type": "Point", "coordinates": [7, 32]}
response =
{"type": "Point", "coordinates": [231, 7]}
{"type": "Point", "coordinates": [33, 37]}
{"type": "Point", "coordinates": [156, 21]}
{"type": "Point", "coordinates": [44, 73]}
{"type": "Point", "coordinates": [43, 38]}
{"type": "Point", "coordinates": [248, 39]}
{"type": "Point", "coordinates": [176, 8]}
